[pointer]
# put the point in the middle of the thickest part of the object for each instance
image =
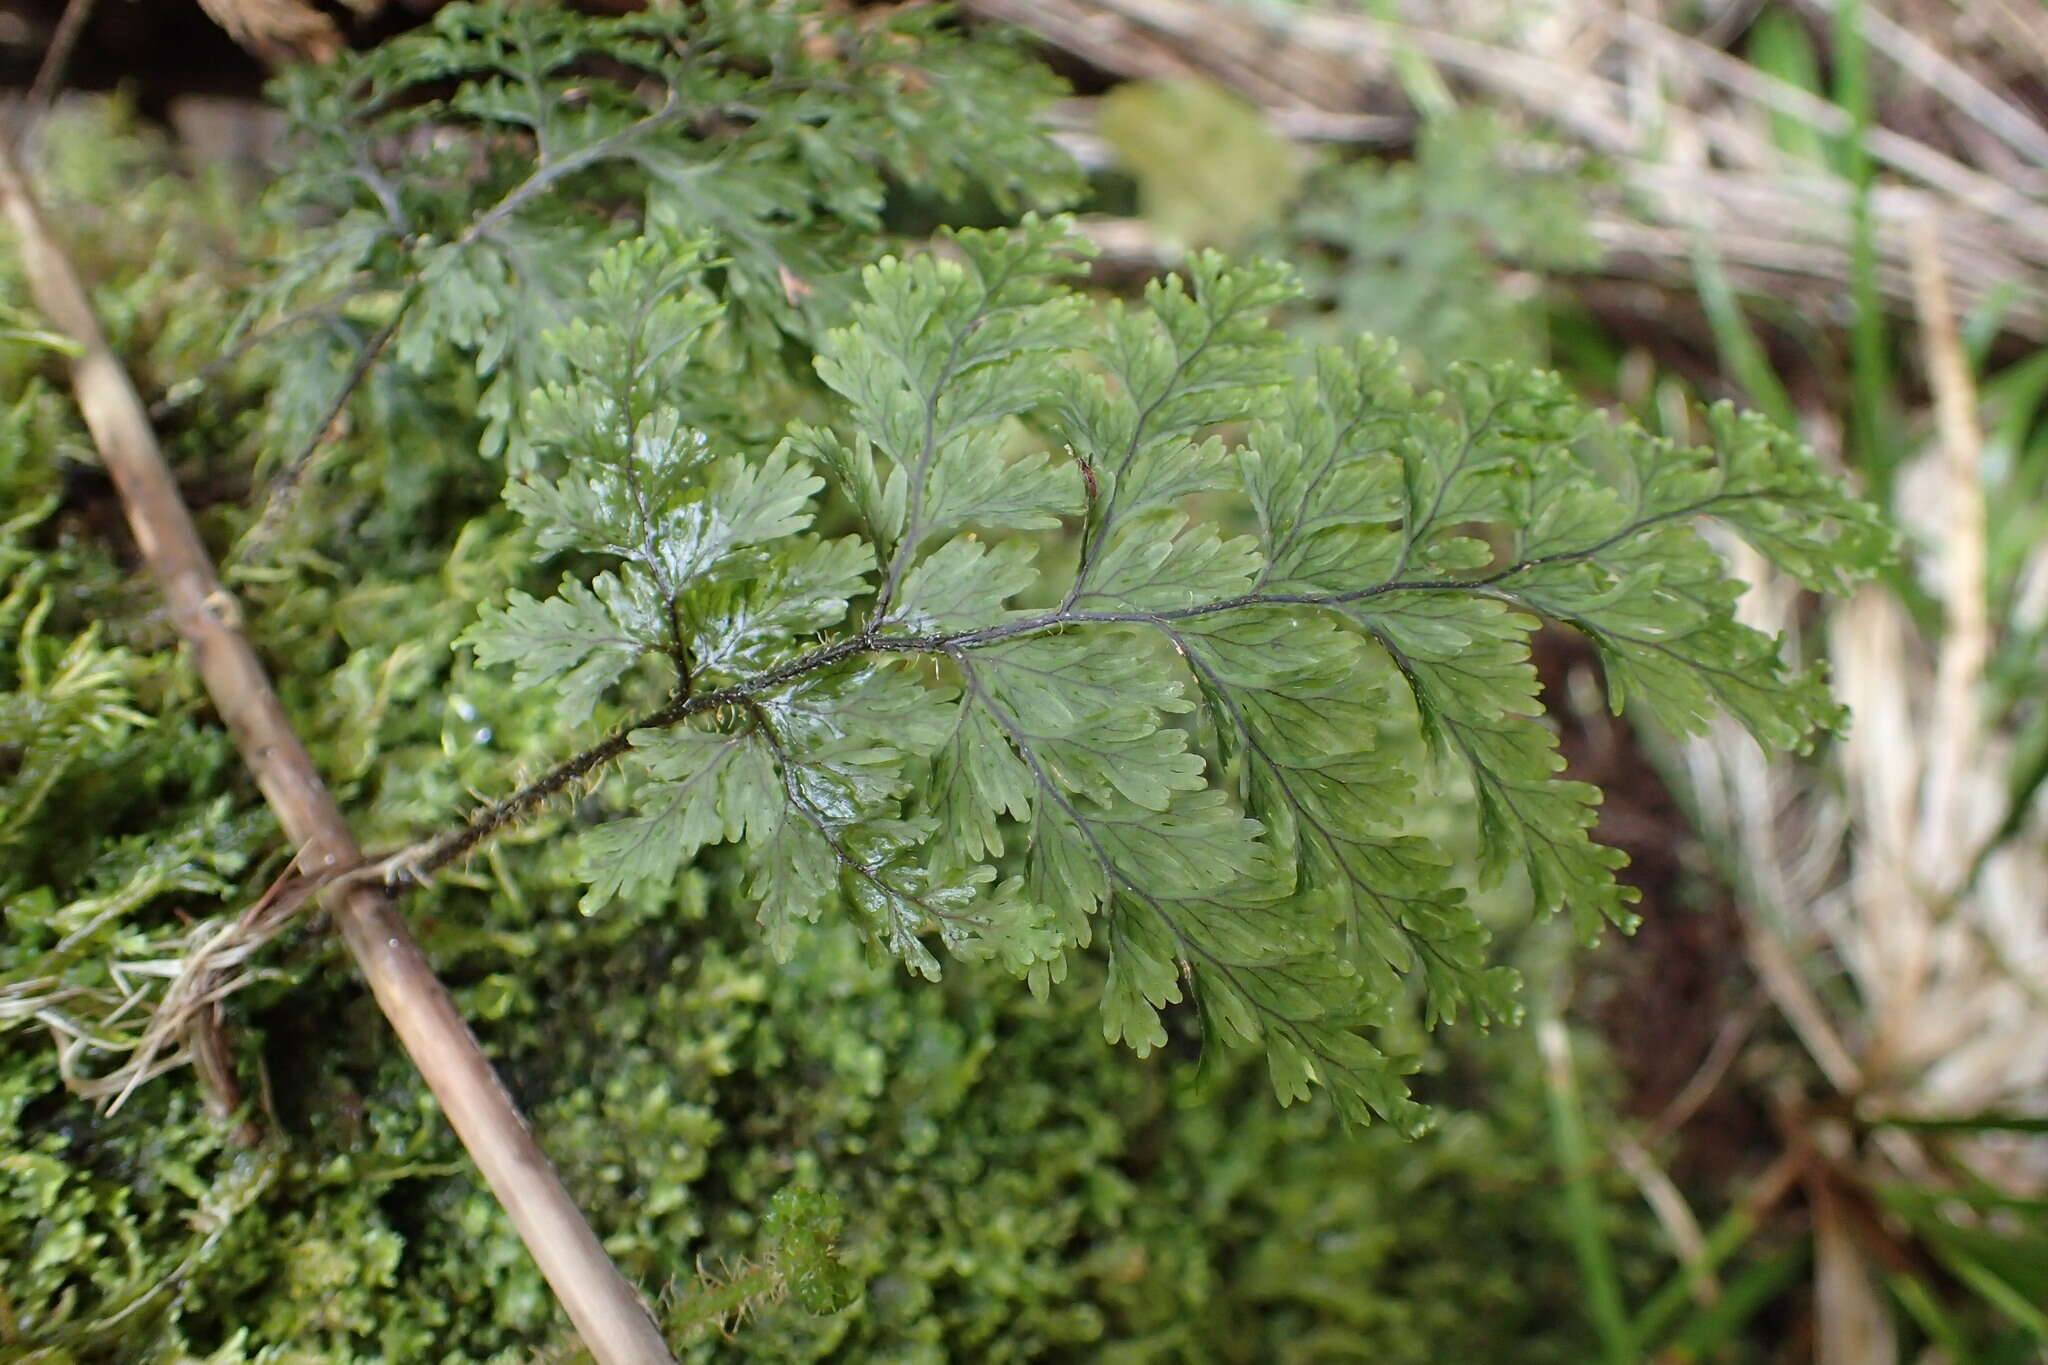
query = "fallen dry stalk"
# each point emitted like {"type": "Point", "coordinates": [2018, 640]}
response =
{"type": "Point", "coordinates": [183, 1024]}
{"type": "Point", "coordinates": [609, 1314]}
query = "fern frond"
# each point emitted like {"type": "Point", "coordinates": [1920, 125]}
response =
{"type": "Point", "coordinates": [470, 170]}
{"type": "Point", "coordinates": [1196, 746]}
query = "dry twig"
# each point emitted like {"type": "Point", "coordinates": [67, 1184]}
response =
{"type": "Point", "coordinates": [42, 93]}
{"type": "Point", "coordinates": [607, 1312]}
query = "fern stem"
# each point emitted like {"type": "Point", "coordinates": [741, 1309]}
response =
{"type": "Point", "coordinates": [286, 485]}
{"type": "Point", "coordinates": [420, 862]}
{"type": "Point", "coordinates": [605, 1308]}
{"type": "Point", "coordinates": [416, 864]}
{"type": "Point", "coordinates": [548, 174]}
{"type": "Point", "coordinates": [438, 853]}
{"type": "Point", "coordinates": [716, 1304]}
{"type": "Point", "coordinates": [188, 388]}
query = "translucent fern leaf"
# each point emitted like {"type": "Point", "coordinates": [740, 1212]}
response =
{"type": "Point", "coordinates": [590, 634]}
{"type": "Point", "coordinates": [943, 351]}
{"type": "Point", "coordinates": [639, 483]}
{"type": "Point", "coordinates": [738, 627]}
{"type": "Point", "coordinates": [844, 745]}
{"type": "Point", "coordinates": [1301, 710]}
{"type": "Point", "coordinates": [1194, 357]}
{"type": "Point", "coordinates": [1194, 749]}
{"type": "Point", "coordinates": [709, 788]}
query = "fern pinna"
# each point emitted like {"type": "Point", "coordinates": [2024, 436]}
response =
{"type": "Point", "coordinates": [1182, 741]}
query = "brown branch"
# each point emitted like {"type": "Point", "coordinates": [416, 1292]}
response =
{"type": "Point", "coordinates": [42, 95]}
{"type": "Point", "coordinates": [215, 1064]}
{"type": "Point", "coordinates": [611, 1317]}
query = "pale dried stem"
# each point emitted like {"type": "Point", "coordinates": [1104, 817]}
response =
{"type": "Point", "coordinates": [1964, 184]}
{"type": "Point", "coordinates": [1796, 1000]}
{"type": "Point", "coordinates": [1956, 741]}
{"type": "Point", "coordinates": [1937, 951]}
{"type": "Point", "coordinates": [1851, 1318]}
{"type": "Point", "coordinates": [1673, 1214]}
{"type": "Point", "coordinates": [184, 1021]}
{"type": "Point", "coordinates": [49, 80]}
{"type": "Point", "coordinates": [604, 1307]}
{"type": "Point", "coordinates": [1728, 1043]}
{"type": "Point", "coordinates": [2023, 23]}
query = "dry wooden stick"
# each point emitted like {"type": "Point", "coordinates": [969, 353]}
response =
{"type": "Point", "coordinates": [50, 75]}
{"type": "Point", "coordinates": [606, 1310]}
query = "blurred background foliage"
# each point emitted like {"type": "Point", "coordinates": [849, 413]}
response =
{"type": "Point", "coordinates": [1802, 1115]}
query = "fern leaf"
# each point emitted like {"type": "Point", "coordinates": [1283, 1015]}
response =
{"type": "Point", "coordinates": [1195, 749]}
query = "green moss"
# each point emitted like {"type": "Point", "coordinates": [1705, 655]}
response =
{"type": "Point", "coordinates": [1011, 1189]}
{"type": "Point", "coordinates": [971, 1172]}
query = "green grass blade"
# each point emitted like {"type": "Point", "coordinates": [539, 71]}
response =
{"type": "Point", "coordinates": [1742, 354]}
{"type": "Point", "coordinates": [1738, 1303]}
{"type": "Point", "coordinates": [1924, 1307]}
{"type": "Point", "coordinates": [2006, 1268]}
{"type": "Point", "coordinates": [1722, 1241]}
{"type": "Point", "coordinates": [1995, 1290]}
{"type": "Point", "coordinates": [1974, 1123]}
{"type": "Point", "coordinates": [1778, 46]}
{"type": "Point", "coordinates": [1574, 1152]}
{"type": "Point", "coordinates": [1870, 376]}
